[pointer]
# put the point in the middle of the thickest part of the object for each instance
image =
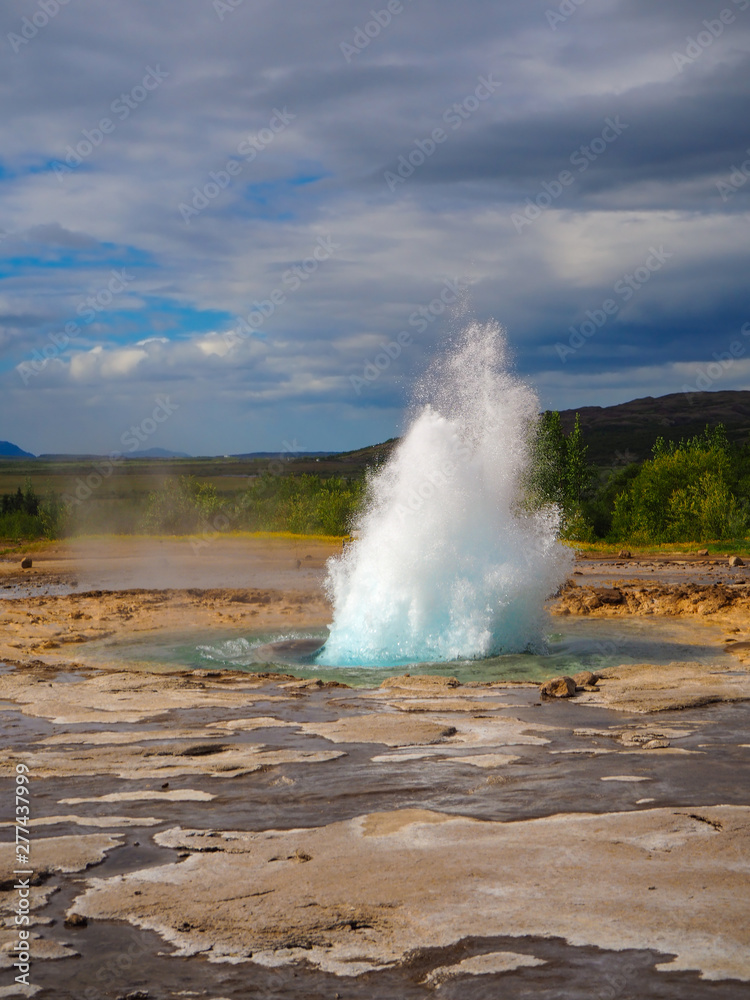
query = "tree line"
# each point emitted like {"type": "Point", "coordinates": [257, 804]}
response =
{"type": "Point", "coordinates": [696, 489]}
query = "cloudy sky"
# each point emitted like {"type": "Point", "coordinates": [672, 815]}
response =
{"type": "Point", "coordinates": [262, 219]}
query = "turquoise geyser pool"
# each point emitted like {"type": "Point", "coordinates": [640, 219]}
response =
{"type": "Point", "coordinates": [572, 645]}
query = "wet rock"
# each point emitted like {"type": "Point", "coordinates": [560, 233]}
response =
{"type": "Point", "coordinates": [643, 738]}
{"type": "Point", "coordinates": [420, 681]}
{"type": "Point", "coordinates": [380, 881]}
{"type": "Point", "coordinates": [42, 949]}
{"type": "Point", "coordinates": [26, 562]}
{"type": "Point", "coordinates": [64, 854]}
{"type": "Point", "coordinates": [558, 687]}
{"type": "Point", "coordinates": [741, 649]}
{"type": "Point", "coordinates": [586, 679]}
{"type": "Point", "coordinates": [391, 729]}
{"type": "Point", "coordinates": [312, 684]}
{"type": "Point", "coordinates": [482, 965]}
{"type": "Point", "coordinates": [736, 561]}
{"type": "Point", "coordinates": [438, 703]}
{"type": "Point", "coordinates": [645, 687]}
{"type": "Point", "coordinates": [662, 599]}
{"type": "Point", "coordinates": [609, 595]}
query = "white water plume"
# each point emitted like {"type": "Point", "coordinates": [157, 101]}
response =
{"type": "Point", "coordinates": [448, 563]}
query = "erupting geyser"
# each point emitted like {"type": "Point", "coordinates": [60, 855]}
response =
{"type": "Point", "coordinates": [450, 563]}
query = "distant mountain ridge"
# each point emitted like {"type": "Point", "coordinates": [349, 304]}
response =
{"type": "Point", "coordinates": [283, 454]}
{"type": "Point", "coordinates": [615, 435]}
{"type": "Point", "coordinates": [65, 456]}
{"type": "Point", "coordinates": [157, 453]}
{"type": "Point", "coordinates": [627, 432]}
{"type": "Point", "coordinates": [8, 450]}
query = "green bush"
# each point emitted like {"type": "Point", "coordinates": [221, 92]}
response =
{"type": "Point", "coordinates": [681, 494]}
{"type": "Point", "coordinates": [560, 476]}
{"type": "Point", "coordinates": [25, 515]}
{"type": "Point", "coordinates": [307, 504]}
{"type": "Point", "coordinates": [181, 507]}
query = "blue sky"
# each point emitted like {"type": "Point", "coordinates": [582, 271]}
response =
{"type": "Point", "coordinates": [243, 206]}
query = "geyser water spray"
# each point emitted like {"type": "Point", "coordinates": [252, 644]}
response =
{"type": "Point", "coordinates": [450, 562]}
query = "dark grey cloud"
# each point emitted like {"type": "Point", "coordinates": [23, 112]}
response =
{"type": "Point", "coordinates": [352, 117]}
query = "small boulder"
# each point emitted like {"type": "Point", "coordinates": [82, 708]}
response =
{"type": "Point", "coordinates": [585, 679]}
{"type": "Point", "coordinates": [624, 554]}
{"type": "Point", "coordinates": [733, 561]}
{"type": "Point", "coordinates": [26, 562]}
{"type": "Point", "coordinates": [558, 687]}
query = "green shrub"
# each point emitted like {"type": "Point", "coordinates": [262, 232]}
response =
{"type": "Point", "coordinates": [681, 494]}
{"type": "Point", "coordinates": [25, 515]}
{"type": "Point", "coordinates": [182, 506]}
{"type": "Point", "coordinates": [304, 504]}
{"type": "Point", "coordinates": [560, 476]}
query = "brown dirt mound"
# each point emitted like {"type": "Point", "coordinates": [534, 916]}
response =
{"type": "Point", "coordinates": [659, 599]}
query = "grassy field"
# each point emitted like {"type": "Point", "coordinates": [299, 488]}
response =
{"type": "Point", "coordinates": [118, 501]}
{"type": "Point", "coordinates": [130, 479]}
{"type": "Point", "coordinates": [114, 496]}
{"type": "Point", "coordinates": [135, 477]}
